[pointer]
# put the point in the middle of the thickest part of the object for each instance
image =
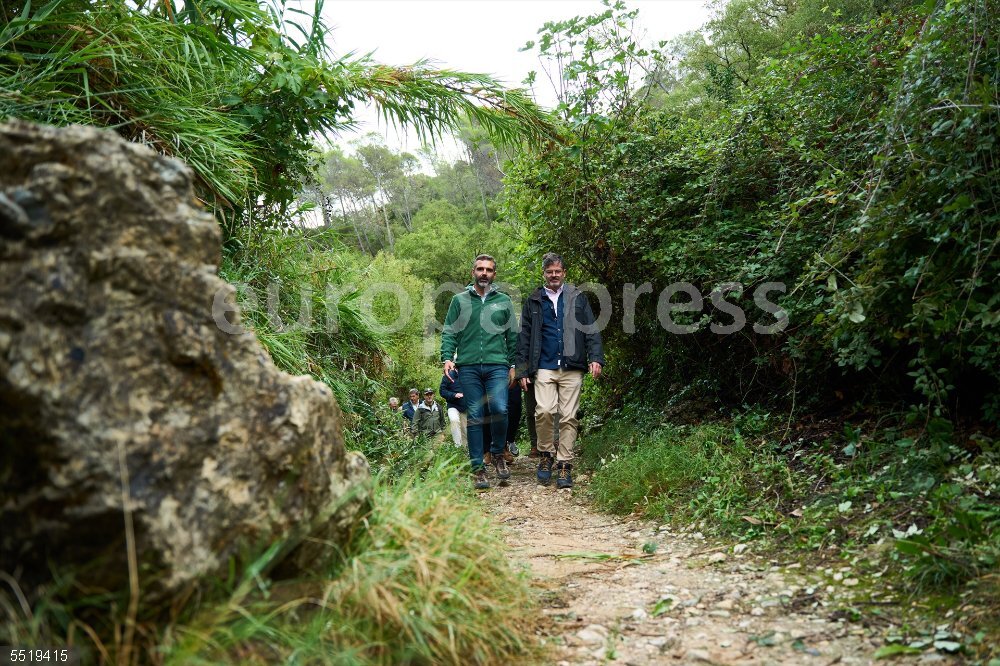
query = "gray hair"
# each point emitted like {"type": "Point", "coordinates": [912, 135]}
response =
{"type": "Point", "coordinates": [484, 257]}
{"type": "Point", "coordinates": [552, 258]}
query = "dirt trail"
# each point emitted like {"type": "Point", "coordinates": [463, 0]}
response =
{"type": "Point", "coordinates": [691, 601]}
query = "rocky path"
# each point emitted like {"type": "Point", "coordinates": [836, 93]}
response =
{"type": "Point", "coordinates": [690, 601]}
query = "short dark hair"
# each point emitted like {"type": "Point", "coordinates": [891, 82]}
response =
{"type": "Point", "coordinates": [552, 258]}
{"type": "Point", "coordinates": [484, 257]}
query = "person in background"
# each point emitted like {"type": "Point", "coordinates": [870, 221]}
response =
{"type": "Point", "coordinates": [429, 419]}
{"type": "Point", "coordinates": [557, 343]}
{"type": "Point", "coordinates": [393, 404]}
{"type": "Point", "coordinates": [513, 427]}
{"type": "Point", "coordinates": [451, 391]}
{"type": "Point", "coordinates": [410, 410]}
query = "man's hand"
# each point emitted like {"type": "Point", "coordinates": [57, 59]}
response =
{"type": "Point", "coordinates": [459, 395]}
{"type": "Point", "coordinates": [449, 367]}
{"type": "Point", "coordinates": [510, 377]}
{"type": "Point", "coordinates": [595, 369]}
{"type": "Point", "coordinates": [524, 383]}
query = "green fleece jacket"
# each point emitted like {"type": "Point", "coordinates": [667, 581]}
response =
{"type": "Point", "coordinates": [480, 332]}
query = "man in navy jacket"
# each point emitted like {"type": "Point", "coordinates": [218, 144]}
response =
{"type": "Point", "coordinates": [558, 342]}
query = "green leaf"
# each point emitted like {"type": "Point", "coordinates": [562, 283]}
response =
{"type": "Point", "coordinates": [889, 651]}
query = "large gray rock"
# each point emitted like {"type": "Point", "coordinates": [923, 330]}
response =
{"type": "Point", "coordinates": [113, 369]}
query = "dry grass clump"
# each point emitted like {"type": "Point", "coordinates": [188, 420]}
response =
{"type": "Point", "coordinates": [427, 582]}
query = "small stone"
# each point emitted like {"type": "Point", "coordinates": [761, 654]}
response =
{"type": "Point", "coordinates": [719, 613]}
{"type": "Point", "coordinates": [639, 614]}
{"type": "Point", "coordinates": [659, 641]}
{"type": "Point", "coordinates": [838, 576]}
{"type": "Point", "coordinates": [726, 604]}
{"type": "Point", "coordinates": [716, 558]}
{"type": "Point", "coordinates": [698, 655]}
{"type": "Point", "coordinates": [757, 611]}
{"type": "Point", "coordinates": [592, 633]}
{"type": "Point", "coordinates": [851, 582]}
{"type": "Point", "coordinates": [739, 548]}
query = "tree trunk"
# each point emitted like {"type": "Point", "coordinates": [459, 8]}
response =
{"type": "Point", "coordinates": [385, 216]}
{"type": "Point", "coordinates": [354, 224]}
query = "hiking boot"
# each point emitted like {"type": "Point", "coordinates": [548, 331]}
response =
{"type": "Point", "coordinates": [487, 458]}
{"type": "Point", "coordinates": [564, 479]}
{"type": "Point", "coordinates": [481, 481]}
{"type": "Point", "coordinates": [508, 456]}
{"type": "Point", "coordinates": [503, 472]}
{"type": "Point", "coordinates": [533, 453]}
{"type": "Point", "coordinates": [544, 472]}
{"type": "Point", "coordinates": [512, 447]}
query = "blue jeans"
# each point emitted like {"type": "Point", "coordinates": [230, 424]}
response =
{"type": "Point", "coordinates": [484, 384]}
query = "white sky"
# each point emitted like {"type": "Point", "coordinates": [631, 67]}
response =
{"type": "Point", "coordinates": [480, 36]}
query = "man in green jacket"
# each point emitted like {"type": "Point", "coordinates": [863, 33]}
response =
{"type": "Point", "coordinates": [429, 419]}
{"type": "Point", "coordinates": [478, 345]}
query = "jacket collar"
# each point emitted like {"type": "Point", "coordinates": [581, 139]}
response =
{"type": "Point", "coordinates": [471, 288]}
{"type": "Point", "coordinates": [568, 291]}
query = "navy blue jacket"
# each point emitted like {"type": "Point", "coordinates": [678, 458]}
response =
{"type": "Point", "coordinates": [408, 410]}
{"type": "Point", "coordinates": [578, 348]}
{"type": "Point", "coordinates": [448, 389]}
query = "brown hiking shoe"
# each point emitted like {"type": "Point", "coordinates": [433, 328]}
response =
{"type": "Point", "coordinates": [508, 456]}
{"type": "Point", "coordinates": [503, 472]}
{"type": "Point", "coordinates": [481, 481]}
{"type": "Point", "coordinates": [533, 453]}
{"type": "Point", "coordinates": [487, 458]}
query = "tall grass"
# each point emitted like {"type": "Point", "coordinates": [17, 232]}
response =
{"type": "Point", "coordinates": [426, 582]}
{"type": "Point", "coordinates": [296, 295]}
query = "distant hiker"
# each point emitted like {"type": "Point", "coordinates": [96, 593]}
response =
{"type": "Point", "coordinates": [510, 450]}
{"type": "Point", "coordinates": [477, 346]}
{"type": "Point", "coordinates": [393, 404]}
{"type": "Point", "coordinates": [410, 410]}
{"type": "Point", "coordinates": [553, 351]}
{"type": "Point", "coordinates": [429, 420]}
{"type": "Point", "coordinates": [451, 391]}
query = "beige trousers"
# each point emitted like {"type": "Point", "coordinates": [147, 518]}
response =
{"type": "Point", "coordinates": [557, 392]}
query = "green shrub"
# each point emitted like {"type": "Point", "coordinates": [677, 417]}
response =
{"type": "Point", "coordinates": [687, 474]}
